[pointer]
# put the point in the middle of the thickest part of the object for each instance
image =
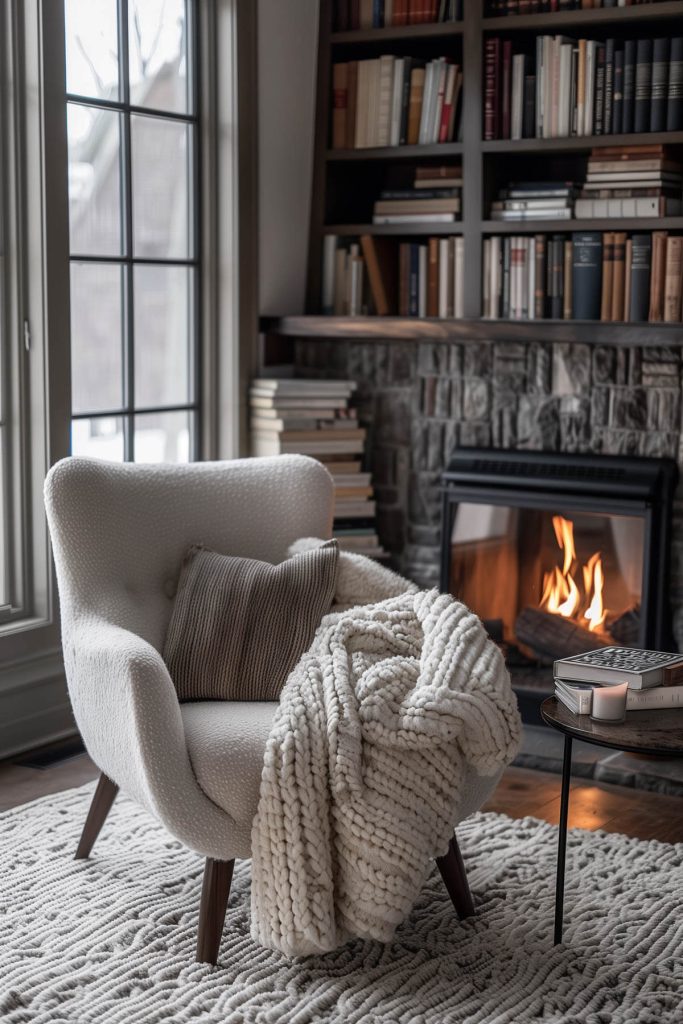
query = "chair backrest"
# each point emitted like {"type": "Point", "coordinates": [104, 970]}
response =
{"type": "Point", "coordinates": [119, 531]}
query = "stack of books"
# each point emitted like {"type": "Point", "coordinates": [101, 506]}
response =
{"type": "Point", "coordinates": [314, 417]}
{"type": "Point", "coordinates": [433, 199]}
{"type": "Point", "coordinates": [631, 181]}
{"type": "Point", "coordinates": [655, 678]}
{"type": "Point", "coordinates": [394, 101]}
{"type": "Point", "coordinates": [535, 200]}
{"type": "Point", "coordinates": [355, 14]}
{"type": "Point", "coordinates": [582, 87]}
{"type": "Point", "coordinates": [589, 275]}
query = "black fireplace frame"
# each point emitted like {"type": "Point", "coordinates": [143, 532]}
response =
{"type": "Point", "coordinates": [620, 485]}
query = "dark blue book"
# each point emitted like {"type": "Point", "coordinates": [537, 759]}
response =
{"type": "Point", "coordinates": [414, 281]}
{"type": "Point", "coordinates": [643, 88]}
{"type": "Point", "coordinates": [660, 84]}
{"type": "Point", "coordinates": [586, 275]}
{"type": "Point", "coordinates": [618, 93]}
{"type": "Point", "coordinates": [629, 85]}
{"type": "Point", "coordinates": [674, 103]}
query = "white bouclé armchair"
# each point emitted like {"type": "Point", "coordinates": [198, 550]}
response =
{"type": "Point", "coordinates": [119, 533]}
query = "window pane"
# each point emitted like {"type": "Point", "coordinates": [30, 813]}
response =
{"type": "Point", "coordinates": [161, 206]}
{"type": "Point", "coordinates": [100, 438]}
{"type": "Point", "coordinates": [96, 337]}
{"type": "Point", "coordinates": [162, 437]}
{"type": "Point", "coordinates": [92, 48]}
{"type": "Point", "coordinates": [163, 331]}
{"type": "Point", "coordinates": [94, 180]}
{"type": "Point", "coordinates": [157, 44]}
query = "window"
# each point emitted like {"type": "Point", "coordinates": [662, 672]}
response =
{"type": "Point", "coordinates": [132, 125]}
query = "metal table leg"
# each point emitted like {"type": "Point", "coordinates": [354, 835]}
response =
{"type": "Point", "coordinates": [562, 838]}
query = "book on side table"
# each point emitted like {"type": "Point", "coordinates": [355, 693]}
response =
{"type": "Point", "coordinates": [655, 678]}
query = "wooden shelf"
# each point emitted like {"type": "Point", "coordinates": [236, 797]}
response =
{"type": "Point", "coordinates": [397, 33]}
{"type": "Point", "coordinates": [394, 328]}
{"type": "Point", "coordinates": [440, 149]}
{"type": "Point", "coordinates": [610, 16]}
{"type": "Point", "coordinates": [530, 227]}
{"type": "Point", "coordinates": [394, 229]}
{"type": "Point", "coordinates": [583, 143]}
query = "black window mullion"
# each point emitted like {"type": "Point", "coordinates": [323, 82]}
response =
{"type": "Point", "coordinates": [127, 209]}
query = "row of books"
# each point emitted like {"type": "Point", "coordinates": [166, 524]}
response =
{"type": "Point", "coordinates": [355, 14]}
{"type": "Point", "coordinates": [434, 198]}
{"type": "Point", "coordinates": [585, 276]}
{"type": "Point", "coordinates": [314, 417]}
{"type": "Point", "coordinates": [655, 678]}
{"type": "Point", "coordinates": [621, 181]}
{"type": "Point", "coordinates": [377, 276]}
{"type": "Point", "coordinates": [394, 101]}
{"type": "Point", "coordinates": [582, 87]}
{"type": "Point", "coordinates": [503, 8]}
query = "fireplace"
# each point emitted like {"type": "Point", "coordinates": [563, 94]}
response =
{"type": "Point", "coordinates": [559, 554]}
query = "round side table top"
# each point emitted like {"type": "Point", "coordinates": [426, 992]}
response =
{"type": "Point", "coordinates": [643, 732]}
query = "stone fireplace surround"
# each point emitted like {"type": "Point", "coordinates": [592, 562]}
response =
{"type": "Point", "coordinates": [419, 400]}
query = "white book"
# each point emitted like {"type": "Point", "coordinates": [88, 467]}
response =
{"type": "Point", "coordinates": [459, 296]}
{"type": "Point", "coordinates": [440, 95]}
{"type": "Point", "coordinates": [531, 292]}
{"type": "Point", "coordinates": [496, 266]}
{"type": "Point", "coordinates": [517, 105]}
{"type": "Point", "coordinates": [355, 300]}
{"type": "Point", "coordinates": [547, 86]}
{"type": "Point", "coordinates": [414, 218]}
{"type": "Point", "coordinates": [581, 88]}
{"type": "Point", "coordinates": [554, 93]}
{"type": "Point", "coordinates": [302, 386]}
{"type": "Point", "coordinates": [373, 103]}
{"type": "Point", "coordinates": [329, 262]}
{"type": "Point", "coordinates": [564, 113]}
{"type": "Point", "coordinates": [388, 13]}
{"type": "Point", "coordinates": [422, 273]}
{"type": "Point", "coordinates": [590, 87]}
{"type": "Point", "coordinates": [443, 278]}
{"type": "Point", "coordinates": [386, 81]}
{"type": "Point", "coordinates": [486, 297]}
{"type": "Point", "coordinates": [578, 697]}
{"type": "Point", "coordinates": [397, 98]}
{"type": "Point", "coordinates": [426, 100]}
{"type": "Point", "coordinates": [610, 665]}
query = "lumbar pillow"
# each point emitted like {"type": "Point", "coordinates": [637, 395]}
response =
{"type": "Point", "coordinates": [239, 626]}
{"type": "Point", "coordinates": [360, 580]}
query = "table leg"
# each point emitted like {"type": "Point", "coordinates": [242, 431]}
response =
{"type": "Point", "coordinates": [562, 838]}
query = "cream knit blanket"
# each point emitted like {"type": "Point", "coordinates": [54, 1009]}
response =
{"type": "Point", "coordinates": [362, 773]}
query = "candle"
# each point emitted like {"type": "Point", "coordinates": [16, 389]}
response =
{"type": "Point", "coordinates": [609, 703]}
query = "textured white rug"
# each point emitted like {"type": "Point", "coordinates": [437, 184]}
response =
{"type": "Point", "coordinates": [111, 940]}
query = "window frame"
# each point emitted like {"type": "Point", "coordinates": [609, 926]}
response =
{"type": "Point", "coordinates": [127, 261]}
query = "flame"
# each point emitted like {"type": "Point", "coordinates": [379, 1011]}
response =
{"type": "Point", "coordinates": [593, 580]}
{"type": "Point", "coordinates": [561, 594]}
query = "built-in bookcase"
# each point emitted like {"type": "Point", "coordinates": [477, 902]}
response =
{"type": "Point", "coordinates": [347, 181]}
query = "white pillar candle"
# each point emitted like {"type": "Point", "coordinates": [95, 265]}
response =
{"type": "Point", "coordinates": [609, 703]}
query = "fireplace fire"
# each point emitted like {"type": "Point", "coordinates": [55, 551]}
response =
{"type": "Point", "coordinates": [559, 554]}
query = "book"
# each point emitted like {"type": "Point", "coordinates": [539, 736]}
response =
{"type": "Point", "coordinates": [643, 85]}
{"type": "Point", "coordinates": [492, 48]}
{"type": "Point", "coordinates": [672, 279]}
{"type": "Point", "coordinates": [578, 697]}
{"type": "Point", "coordinates": [656, 310]}
{"type": "Point", "coordinates": [640, 277]}
{"type": "Point", "coordinates": [618, 93]}
{"type": "Point", "coordinates": [301, 386]}
{"type": "Point", "coordinates": [611, 665]}
{"type": "Point", "coordinates": [380, 259]}
{"type": "Point", "coordinates": [659, 84]}
{"type": "Point", "coordinates": [607, 275]}
{"type": "Point", "coordinates": [587, 275]}
{"type": "Point", "coordinates": [674, 99]}
{"type": "Point", "coordinates": [628, 108]}
{"type": "Point", "coordinates": [618, 279]}
{"type": "Point", "coordinates": [340, 99]}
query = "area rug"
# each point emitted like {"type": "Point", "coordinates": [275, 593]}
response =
{"type": "Point", "coordinates": [111, 940]}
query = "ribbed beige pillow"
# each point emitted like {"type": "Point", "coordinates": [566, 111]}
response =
{"type": "Point", "coordinates": [239, 626]}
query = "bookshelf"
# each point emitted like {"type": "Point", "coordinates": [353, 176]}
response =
{"type": "Point", "coordinates": [483, 167]}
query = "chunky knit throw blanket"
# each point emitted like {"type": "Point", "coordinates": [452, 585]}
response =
{"type": "Point", "coordinates": [363, 768]}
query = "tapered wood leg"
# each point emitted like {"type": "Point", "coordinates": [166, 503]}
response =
{"type": "Point", "coordinates": [103, 798]}
{"type": "Point", "coordinates": [215, 893]}
{"type": "Point", "coordinates": [452, 868]}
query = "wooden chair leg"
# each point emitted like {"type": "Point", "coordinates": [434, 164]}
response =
{"type": "Point", "coordinates": [103, 798]}
{"type": "Point", "coordinates": [452, 868]}
{"type": "Point", "coordinates": [214, 902]}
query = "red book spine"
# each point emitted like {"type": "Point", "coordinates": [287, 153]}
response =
{"type": "Point", "coordinates": [400, 12]}
{"type": "Point", "coordinates": [507, 89]}
{"type": "Point", "coordinates": [491, 90]}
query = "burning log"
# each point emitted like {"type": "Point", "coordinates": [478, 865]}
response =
{"type": "Point", "coordinates": [552, 636]}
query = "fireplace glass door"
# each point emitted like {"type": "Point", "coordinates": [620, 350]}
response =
{"type": "Point", "coordinates": [549, 583]}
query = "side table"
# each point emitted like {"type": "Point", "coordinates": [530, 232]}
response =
{"type": "Point", "coordinates": [657, 732]}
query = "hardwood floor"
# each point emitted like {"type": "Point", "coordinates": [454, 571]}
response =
{"type": "Point", "coordinates": [521, 792]}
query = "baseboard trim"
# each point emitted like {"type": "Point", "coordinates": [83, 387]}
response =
{"type": "Point", "coordinates": [34, 703]}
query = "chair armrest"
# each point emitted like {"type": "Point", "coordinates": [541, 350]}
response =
{"type": "Point", "coordinates": [128, 713]}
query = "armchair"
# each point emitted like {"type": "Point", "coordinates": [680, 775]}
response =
{"type": "Point", "coordinates": [119, 533]}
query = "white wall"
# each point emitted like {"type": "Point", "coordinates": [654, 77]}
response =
{"type": "Point", "coordinates": [287, 55]}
